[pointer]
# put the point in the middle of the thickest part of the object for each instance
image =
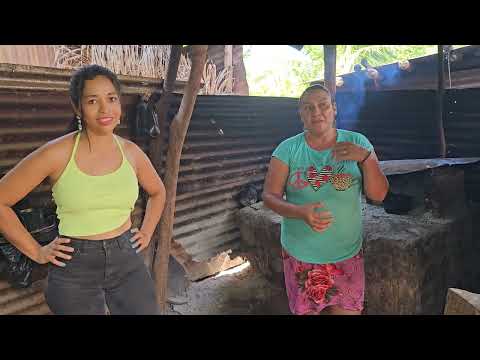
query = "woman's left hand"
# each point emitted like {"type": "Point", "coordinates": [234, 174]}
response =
{"type": "Point", "coordinates": [139, 240]}
{"type": "Point", "coordinates": [347, 151]}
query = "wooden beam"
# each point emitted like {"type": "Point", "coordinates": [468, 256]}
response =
{"type": "Point", "coordinates": [440, 101]}
{"type": "Point", "coordinates": [330, 73]}
{"type": "Point", "coordinates": [157, 145]}
{"type": "Point", "coordinates": [177, 133]}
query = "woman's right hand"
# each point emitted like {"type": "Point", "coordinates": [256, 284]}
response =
{"type": "Point", "coordinates": [54, 249]}
{"type": "Point", "coordinates": [317, 220]}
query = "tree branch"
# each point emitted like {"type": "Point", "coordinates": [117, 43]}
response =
{"type": "Point", "coordinates": [178, 131]}
{"type": "Point", "coordinates": [156, 145]}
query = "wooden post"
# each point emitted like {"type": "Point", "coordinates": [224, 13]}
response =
{"type": "Point", "coordinates": [157, 145]}
{"type": "Point", "coordinates": [177, 133]}
{"type": "Point", "coordinates": [240, 84]}
{"type": "Point", "coordinates": [330, 73]}
{"type": "Point", "coordinates": [228, 65]}
{"type": "Point", "coordinates": [440, 99]}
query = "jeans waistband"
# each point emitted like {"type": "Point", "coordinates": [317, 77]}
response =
{"type": "Point", "coordinates": [99, 244]}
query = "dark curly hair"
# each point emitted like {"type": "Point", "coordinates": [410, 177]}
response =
{"type": "Point", "coordinates": [77, 84]}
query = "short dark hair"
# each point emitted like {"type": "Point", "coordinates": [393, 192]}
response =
{"type": "Point", "coordinates": [77, 84]}
{"type": "Point", "coordinates": [313, 88]}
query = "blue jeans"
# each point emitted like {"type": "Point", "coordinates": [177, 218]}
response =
{"type": "Point", "coordinates": [101, 274]}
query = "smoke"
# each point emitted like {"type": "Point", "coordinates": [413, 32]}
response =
{"type": "Point", "coordinates": [350, 103]}
{"type": "Point", "coordinates": [390, 75]}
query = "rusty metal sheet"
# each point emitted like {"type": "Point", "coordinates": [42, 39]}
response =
{"type": "Point", "coordinates": [16, 77]}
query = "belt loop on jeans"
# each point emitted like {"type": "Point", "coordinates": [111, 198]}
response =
{"type": "Point", "coordinates": [117, 241]}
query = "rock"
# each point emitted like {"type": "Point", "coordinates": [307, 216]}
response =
{"type": "Point", "coordinates": [260, 238]}
{"type": "Point", "coordinates": [410, 262]}
{"type": "Point", "coordinates": [177, 300]}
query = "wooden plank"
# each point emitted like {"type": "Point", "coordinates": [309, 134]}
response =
{"type": "Point", "coordinates": [461, 302]}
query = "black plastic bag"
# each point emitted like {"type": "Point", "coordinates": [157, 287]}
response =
{"type": "Point", "coordinates": [248, 195]}
{"type": "Point", "coordinates": [17, 266]}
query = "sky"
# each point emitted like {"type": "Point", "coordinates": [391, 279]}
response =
{"type": "Point", "coordinates": [264, 57]}
{"type": "Point", "coordinates": [275, 58]}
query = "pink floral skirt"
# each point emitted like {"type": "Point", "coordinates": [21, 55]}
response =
{"type": "Point", "coordinates": [312, 287]}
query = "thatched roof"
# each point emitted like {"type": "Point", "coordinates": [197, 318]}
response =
{"type": "Point", "coordinates": [149, 61]}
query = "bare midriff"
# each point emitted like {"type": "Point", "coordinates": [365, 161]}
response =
{"type": "Point", "coordinates": [109, 234]}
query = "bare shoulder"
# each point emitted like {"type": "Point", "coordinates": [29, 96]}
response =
{"type": "Point", "coordinates": [62, 142]}
{"type": "Point", "coordinates": [146, 174]}
{"type": "Point", "coordinates": [129, 145]}
{"type": "Point", "coordinates": [132, 149]}
{"type": "Point", "coordinates": [133, 152]}
{"type": "Point", "coordinates": [58, 149]}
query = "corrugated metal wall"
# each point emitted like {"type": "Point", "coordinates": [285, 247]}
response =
{"type": "Point", "coordinates": [29, 301]}
{"type": "Point", "coordinates": [228, 145]}
{"type": "Point", "coordinates": [25, 77]}
{"type": "Point", "coordinates": [400, 124]}
{"type": "Point", "coordinates": [462, 123]}
{"type": "Point", "coordinates": [462, 129]}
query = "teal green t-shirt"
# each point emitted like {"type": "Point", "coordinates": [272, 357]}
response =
{"type": "Point", "coordinates": [314, 176]}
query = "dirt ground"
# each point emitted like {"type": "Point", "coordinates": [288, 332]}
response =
{"type": "Point", "coordinates": [237, 291]}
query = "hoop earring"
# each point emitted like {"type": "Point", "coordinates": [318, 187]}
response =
{"type": "Point", "coordinates": [79, 122]}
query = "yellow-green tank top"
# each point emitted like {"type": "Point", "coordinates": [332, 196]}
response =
{"type": "Point", "coordinates": [90, 205]}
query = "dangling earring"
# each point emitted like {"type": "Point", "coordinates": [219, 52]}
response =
{"type": "Point", "coordinates": [79, 122]}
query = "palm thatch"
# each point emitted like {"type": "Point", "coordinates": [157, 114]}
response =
{"type": "Point", "coordinates": [139, 60]}
{"type": "Point", "coordinates": [216, 84]}
{"type": "Point", "coordinates": [67, 56]}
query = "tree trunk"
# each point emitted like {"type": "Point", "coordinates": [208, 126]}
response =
{"type": "Point", "coordinates": [157, 145]}
{"type": "Point", "coordinates": [178, 130]}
